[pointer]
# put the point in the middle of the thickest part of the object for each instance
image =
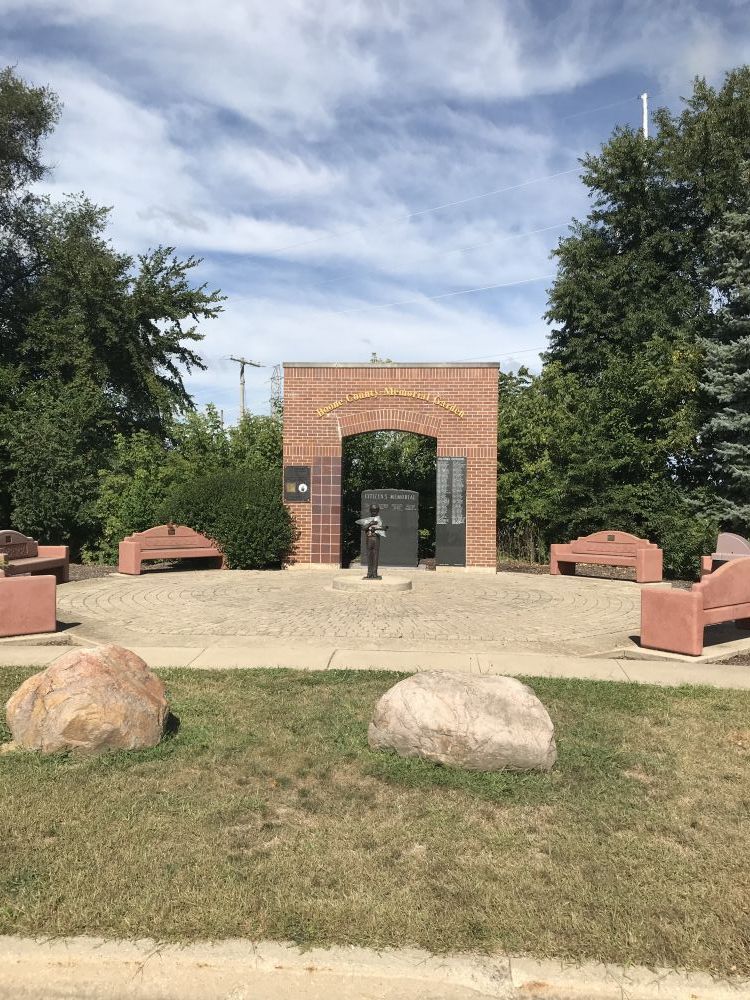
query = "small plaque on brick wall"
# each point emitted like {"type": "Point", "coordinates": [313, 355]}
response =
{"type": "Point", "coordinates": [297, 483]}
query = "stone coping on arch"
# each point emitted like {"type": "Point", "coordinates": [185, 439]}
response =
{"type": "Point", "coordinates": [390, 364]}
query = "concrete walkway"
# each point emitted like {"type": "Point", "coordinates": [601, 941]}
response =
{"type": "Point", "coordinates": [97, 969]}
{"type": "Point", "coordinates": [443, 611]}
{"type": "Point", "coordinates": [664, 672]}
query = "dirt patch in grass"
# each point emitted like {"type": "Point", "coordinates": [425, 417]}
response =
{"type": "Point", "coordinates": [266, 816]}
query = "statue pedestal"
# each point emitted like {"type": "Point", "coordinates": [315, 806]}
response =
{"type": "Point", "coordinates": [387, 584]}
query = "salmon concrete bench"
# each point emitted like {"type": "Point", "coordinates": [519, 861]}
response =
{"type": "Point", "coordinates": [609, 548]}
{"type": "Point", "coordinates": [673, 620]}
{"type": "Point", "coordinates": [167, 541]}
{"type": "Point", "coordinates": [27, 605]}
{"type": "Point", "coordinates": [728, 547]}
{"type": "Point", "coordinates": [22, 556]}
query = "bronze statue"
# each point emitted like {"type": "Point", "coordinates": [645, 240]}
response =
{"type": "Point", "coordinates": [374, 531]}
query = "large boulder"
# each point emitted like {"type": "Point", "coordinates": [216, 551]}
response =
{"type": "Point", "coordinates": [90, 700]}
{"type": "Point", "coordinates": [481, 723]}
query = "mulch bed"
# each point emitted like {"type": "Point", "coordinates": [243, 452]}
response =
{"type": "Point", "coordinates": [89, 572]}
{"type": "Point", "coordinates": [738, 660]}
{"type": "Point", "coordinates": [582, 569]}
{"type": "Point", "coordinates": [92, 571]}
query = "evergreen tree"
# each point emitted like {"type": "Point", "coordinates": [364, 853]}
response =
{"type": "Point", "coordinates": [727, 378]}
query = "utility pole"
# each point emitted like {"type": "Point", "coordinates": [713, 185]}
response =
{"type": "Point", "coordinates": [242, 362]}
{"type": "Point", "coordinates": [644, 101]}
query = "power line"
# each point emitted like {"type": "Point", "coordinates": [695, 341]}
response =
{"type": "Point", "coordinates": [510, 354]}
{"type": "Point", "coordinates": [443, 295]}
{"type": "Point", "coordinates": [463, 201]}
{"type": "Point", "coordinates": [602, 107]}
{"type": "Point", "coordinates": [422, 211]}
{"type": "Point", "coordinates": [505, 239]}
{"type": "Point", "coordinates": [457, 250]}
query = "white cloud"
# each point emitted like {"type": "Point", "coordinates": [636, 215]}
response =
{"type": "Point", "coordinates": [233, 130]}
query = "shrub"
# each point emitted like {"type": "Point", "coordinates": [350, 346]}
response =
{"type": "Point", "coordinates": [131, 492]}
{"type": "Point", "coordinates": [240, 509]}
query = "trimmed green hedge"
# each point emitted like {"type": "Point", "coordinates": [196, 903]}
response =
{"type": "Point", "coordinates": [241, 510]}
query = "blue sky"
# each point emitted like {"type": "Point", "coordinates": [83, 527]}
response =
{"type": "Point", "coordinates": [302, 148]}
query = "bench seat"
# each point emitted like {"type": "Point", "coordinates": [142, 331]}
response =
{"type": "Point", "coordinates": [674, 620]}
{"type": "Point", "coordinates": [34, 565]}
{"type": "Point", "coordinates": [609, 548]}
{"type": "Point", "coordinates": [166, 541]}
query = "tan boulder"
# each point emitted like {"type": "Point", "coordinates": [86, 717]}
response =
{"type": "Point", "coordinates": [90, 700]}
{"type": "Point", "coordinates": [481, 723]}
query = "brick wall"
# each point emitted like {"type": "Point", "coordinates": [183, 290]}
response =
{"type": "Point", "coordinates": [315, 425]}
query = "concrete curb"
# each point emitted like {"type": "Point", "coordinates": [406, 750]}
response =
{"type": "Point", "coordinates": [85, 968]}
{"type": "Point", "coordinates": [332, 657]}
{"type": "Point", "coordinates": [95, 969]}
{"type": "Point", "coordinates": [554, 980]}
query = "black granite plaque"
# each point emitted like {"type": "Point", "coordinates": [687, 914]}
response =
{"type": "Point", "coordinates": [297, 483]}
{"type": "Point", "coordinates": [450, 527]}
{"type": "Point", "coordinates": [399, 509]}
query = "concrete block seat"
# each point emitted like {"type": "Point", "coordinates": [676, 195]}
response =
{"type": "Point", "coordinates": [27, 605]}
{"type": "Point", "coordinates": [674, 620]}
{"type": "Point", "coordinates": [22, 556]}
{"type": "Point", "coordinates": [166, 541]}
{"type": "Point", "coordinates": [728, 547]}
{"type": "Point", "coordinates": [609, 548]}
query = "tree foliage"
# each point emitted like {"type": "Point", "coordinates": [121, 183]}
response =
{"type": "Point", "coordinates": [143, 470]}
{"type": "Point", "coordinates": [93, 343]}
{"type": "Point", "coordinates": [727, 378]}
{"type": "Point", "coordinates": [609, 436]}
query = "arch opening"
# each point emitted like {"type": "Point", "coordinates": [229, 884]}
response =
{"type": "Point", "coordinates": [387, 460]}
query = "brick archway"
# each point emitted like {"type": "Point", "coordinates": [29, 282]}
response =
{"type": "Point", "coordinates": [387, 419]}
{"type": "Point", "coordinates": [456, 404]}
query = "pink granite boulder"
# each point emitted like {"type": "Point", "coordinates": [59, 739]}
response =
{"type": "Point", "coordinates": [90, 701]}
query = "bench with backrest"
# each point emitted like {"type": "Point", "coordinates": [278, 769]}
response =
{"type": "Point", "coordinates": [167, 541]}
{"type": "Point", "coordinates": [728, 547]}
{"type": "Point", "coordinates": [27, 605]}
{"type": "Point", "coordinates": [22, 556]}
{"type": "Point", "coordinates": [674, 620]}
{"type": "Point", "coordinates": [609, 548]}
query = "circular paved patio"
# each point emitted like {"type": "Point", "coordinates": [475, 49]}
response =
{"type": "Point", "coordinates": [444, 610]}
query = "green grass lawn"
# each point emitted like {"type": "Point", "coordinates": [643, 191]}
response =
{"type": "Point", "coordinates": [266, 816]}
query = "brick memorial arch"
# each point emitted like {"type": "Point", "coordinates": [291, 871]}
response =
{"type": "Point", "coordinates": [454, 403]}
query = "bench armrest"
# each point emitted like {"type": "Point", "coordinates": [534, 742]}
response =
{"type": "Point", "coordinates": [57, 551]}
{"type": "Point", "coordinates": [672, 620]}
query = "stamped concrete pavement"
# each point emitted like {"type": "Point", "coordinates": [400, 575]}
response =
{"type": "Point", "coordinates": [451, 612]}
